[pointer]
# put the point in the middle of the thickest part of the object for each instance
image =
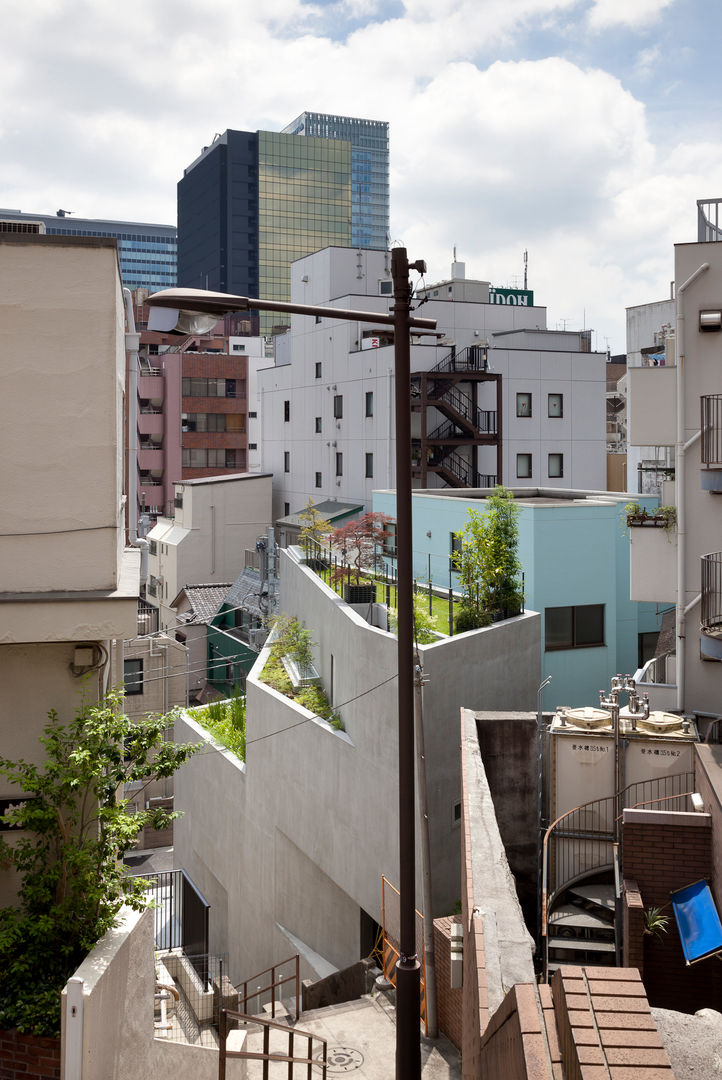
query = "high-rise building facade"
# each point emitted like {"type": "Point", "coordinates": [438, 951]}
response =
{"type": "Point", "coordinates": [253, 202]}
{"type": "Point", "coordinates": [369, 170]}
{"type": "Point", "coordinates": [147, 253]}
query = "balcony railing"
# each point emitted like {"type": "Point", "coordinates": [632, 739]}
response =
{"type": "Point", "coordinates": [709, 227]}
{"type": "Point", "coordinates": [711, 424]}
{"type": "Point", "coordinates": [711, 615]}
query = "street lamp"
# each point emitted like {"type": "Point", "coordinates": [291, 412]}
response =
{"type": "Point", "coordinates": [183, 310]}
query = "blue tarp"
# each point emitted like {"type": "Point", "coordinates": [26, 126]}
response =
{"type": "Point", "coordinates": [698, 923]}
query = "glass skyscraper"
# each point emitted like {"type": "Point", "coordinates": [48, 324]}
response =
{"type": "Point", "coordinates": [369, 170]}
{"type": "Point", "coordinates": [147, 253]}
{"type": "Point", "coordinates": [252, 202]}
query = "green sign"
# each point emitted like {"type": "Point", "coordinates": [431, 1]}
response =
{"type": "Point", "coordinates": [513, 297]}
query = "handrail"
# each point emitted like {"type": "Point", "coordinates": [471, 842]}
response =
{"type": "Point", "coordinates": [485, 424]}
{"type": "Point", "coordinates": [589, 836]}
{"type": "Point", "coordinates": [266, 1055]}
{"type": "Point", "coordinates": [711, 614]}
{"type": "Point", "coordinates": [472, 358]}
{"type": "Point", "coordinates": [245, 997]}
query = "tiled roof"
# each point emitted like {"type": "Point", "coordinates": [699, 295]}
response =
{"type": "Point", "coordinates": [245, 591]}
{"type": "Point", "coordinates": [204, 600]}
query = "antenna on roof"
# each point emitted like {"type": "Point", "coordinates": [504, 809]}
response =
{"type": "Point", "coordinates": [526, 261]}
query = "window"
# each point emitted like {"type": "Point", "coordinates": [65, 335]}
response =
{"type": "Point", "coordinates": [646, 646]}
{"type": "Point", "coordinates": [252, 446]}
{"type": "Point", "coordinates": [556, 465]}
{"type": "Point", "coordinates": [133, 676]}
{"type": "Point", "coordinates": [178, 500]}
{"type": "Point", "coordinates": [386, 288]}
{"type": "Point", "coordinates": [454, 550]}
{"type": "Point", "coordinates": [390, 538]}
{"type": "Point", "coordinates": [319, 480]}
{"type": "Point", "coordinates": [317, 427]}
{"type": "Point", "coordinates": [574, 627]}
{"type": "Point", "coordinates": [555, 405]}
{"type": "Point", "coordinates": [369, 466]}
{"type": "Point", "coordinates": [286, 411]}
{"type": "Point", "coordinates": [152, 547]}
{"type": "Point", "coordinates": [286, 509]}
{"type": "Point", "coordinates": [523, 404]}
{"type": "Point", "coordinates": [369, 403]}
{"type": "Point", "coordinates": [286, 460]}
{"type": "Point", "coordinates": [523, 466]}
{"type": "Point", "coordinates": [339, 464]}
{"type": "Point", "coordinates": [338, 406]}
{"type": "Point", "coordinates": [318, 369]}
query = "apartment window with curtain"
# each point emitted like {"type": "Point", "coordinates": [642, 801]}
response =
{"type": "Point", "coordinates": [579, 627]}
{"type": "Point", "coordinates": [523, 466]}
{"type": "Point", "coordinates": [556, 466]}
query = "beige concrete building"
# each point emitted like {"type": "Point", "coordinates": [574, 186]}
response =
{"type": "Point", "coordinates": [217, 519]}
{"type": "Point", "coordinates": [68, 584]}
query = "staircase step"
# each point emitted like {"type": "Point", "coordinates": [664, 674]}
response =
{"type": "Point", "coordinates": [575, 917]}
{"type": "Point", "coordinates": [581, 945]}
{"type": "Point", "coordinates": [600, 894]}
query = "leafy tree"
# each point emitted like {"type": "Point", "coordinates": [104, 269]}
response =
{"type": "Point", "coordinates": [76, 828]}
{"type": "Point", "coordinates": [488, 562]}
{"type": "Point", "coordinates": [360, 543]}
{"type": "Point", "coordinates": [315, 529]}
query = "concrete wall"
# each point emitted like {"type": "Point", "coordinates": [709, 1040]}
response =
{"type": "Point", "coordinates": [115, 1031]}
{"type": "Point", "coordinates": [61, 385]}
{"type": "Point", "coordinates": [289, 849]}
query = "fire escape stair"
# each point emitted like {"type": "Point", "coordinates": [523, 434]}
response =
{"type": "Point", "coordinates": [582, 926]}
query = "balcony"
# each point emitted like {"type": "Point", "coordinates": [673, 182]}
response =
{"type": "Point", "coordinates": [711, 613]}
{"type": "Point", "coordinates": [652, 560]}
{"type": "Point", "coordinates": [151, 387]}
{"type": "Point", "coordinates": [150, 422]}
{"type": "Point", "coordinates": [651, 406]}
{"type": "Point", "coordinates": [150, 459]}
{"type": "Point", "coordinates": [711, 448]}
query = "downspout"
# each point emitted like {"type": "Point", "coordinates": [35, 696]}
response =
{"type": "Point", "coordinates": [680, 485]}
{"type": "Point", "coordinates": [132, 343]}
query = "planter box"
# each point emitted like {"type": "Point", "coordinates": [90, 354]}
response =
{"type": "Point", "coordinates": [359, 594]}
{"type": "Point", "coordinates": [652, 521]}
{"type": "Point", "coordinates": [307, 676]}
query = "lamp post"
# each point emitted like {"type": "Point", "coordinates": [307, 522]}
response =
{"type": "Point", "coordinates": [179, 309]}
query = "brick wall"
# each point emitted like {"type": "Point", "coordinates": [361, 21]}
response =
{"type": "Point", "coordinates": [515, 1042]}
{"type": "Point", "coordinates": [449, 1003]}
{"type": "Point", "coordinates": [664, 852]}
{"type": "Point", "coordinates": [28, 1057]}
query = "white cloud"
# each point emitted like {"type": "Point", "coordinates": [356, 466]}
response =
{"type": "Point", "coordinates": [631, 13]}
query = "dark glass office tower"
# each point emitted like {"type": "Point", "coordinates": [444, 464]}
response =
{"type": "Point", "coordinates": [252, 202]}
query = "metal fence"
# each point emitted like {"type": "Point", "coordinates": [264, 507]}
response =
{"type": "Point", "coordinates": [712, 592]}
{"type": "Point", "coordinates": [181, 912]}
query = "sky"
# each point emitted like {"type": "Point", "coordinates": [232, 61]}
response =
{"type": "Point", "coordinates": [581, 131]}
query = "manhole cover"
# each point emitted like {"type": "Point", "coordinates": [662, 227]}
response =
{"type": "Point", "coordinates": [342, 1059]}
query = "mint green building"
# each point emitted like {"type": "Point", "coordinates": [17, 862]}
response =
{"type": "Point", "coordinates": [574, 548]}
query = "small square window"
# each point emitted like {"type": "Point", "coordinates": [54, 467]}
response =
{"type": "Point", "coordinates": [318, 369]}
{"type": "Point", "coordinates": [286, 411]}
{"type": "Point", "coordinates": [286, 460]}
{"type": "Point", "coordinates": [338, 406]}
{"type": "Point", "coordinates": [369, 466]}
{"type": "Point", "coordinates": [556, 465]}
{"type": "Point", "coordinates": [523, 404]}
{"type": "Point", "coordinates": [319, 480]}
{"type": "Point", "coordinates": [523, 466]}
{"type": "Point", "coordinates": [369, 403]}
{"type": "Point", "coordinates": [317, 425]}
{"type": "Point", "coordinates": [556, 405]}
{"type": "Point", "coordinates": [339, 464]}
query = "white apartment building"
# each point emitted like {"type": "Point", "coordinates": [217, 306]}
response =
{"type": "Point", "coordinates": [495, 396]}
{"type": "Point", "coordinates": [217, 520]}
{"type": "Point", "coordinates": [680, 407]}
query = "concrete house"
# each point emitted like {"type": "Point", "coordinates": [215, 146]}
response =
{"type": "Point", "coordinates": [289, 846]}
{"type": "Point", "coordinates": [68, 584]}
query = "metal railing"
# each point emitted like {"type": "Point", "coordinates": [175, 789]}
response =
{"type": "Point", "coordinates": [711, 614]}
{"type": "Point", "coordinates": [472, 358]}
{"type": "Point", "coordinates": [307, 1059]}
{"type": "Point", "coordinates": [708, 220]}
{"type": "Point", "coordinates": [181, 912]}
{"type": "Point", "coordinates": [582, 841]}
{"type": "Point", "coordinates": [659, 671]}
{"type": "Point", "coordinates": [245, 995]}
{"type": "Point", "coordinates": [484, 422]}
{"type": "Point", "coordinates": [711, 426]}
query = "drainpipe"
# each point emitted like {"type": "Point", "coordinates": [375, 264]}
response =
{"type": "Point", "coordinates": [429, 953]}
{"type": "Point", "coordinates": [680, 484]}
{"type": "Point", "coordinates": [132, 343]}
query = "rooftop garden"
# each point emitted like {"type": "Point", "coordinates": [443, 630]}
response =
{"type": "Point", "coordinates": [225, 721]}
{"type": "Point", "coordinates": [289, 670]}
